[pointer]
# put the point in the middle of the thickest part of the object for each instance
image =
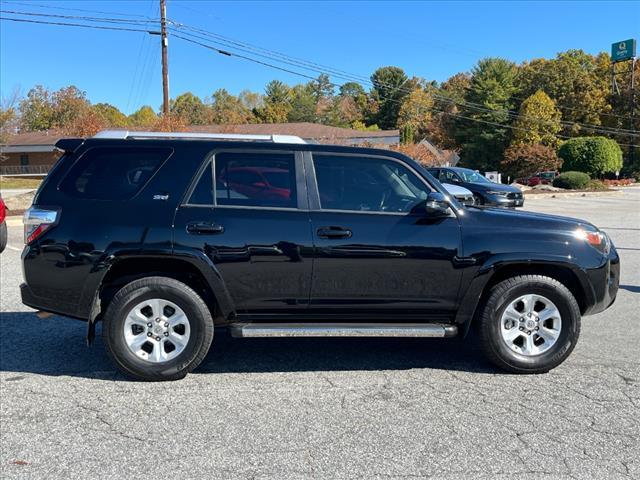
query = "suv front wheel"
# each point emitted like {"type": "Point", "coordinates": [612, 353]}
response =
{"type": "Point", "coordinates": [157, 328]}
{"type": "Point", "coordinates": [529, 324]}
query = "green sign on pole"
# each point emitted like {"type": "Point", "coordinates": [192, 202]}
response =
{"type": "Point", "coordinates": [624, 50]}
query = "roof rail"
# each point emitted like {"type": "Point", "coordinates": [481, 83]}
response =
{"type": "Point", "coordinates": [124, 134]}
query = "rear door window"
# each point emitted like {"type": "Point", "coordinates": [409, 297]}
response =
{"type": "Point", "coordinates": [113, 173]}
{"type": "Point", "coordinates": [255, 179]}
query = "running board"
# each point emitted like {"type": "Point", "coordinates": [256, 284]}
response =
{"type": "Point", "coordinates": [249, 330]}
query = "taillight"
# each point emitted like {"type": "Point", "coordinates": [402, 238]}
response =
{"type": "Point", "coordinates": [37, 221]}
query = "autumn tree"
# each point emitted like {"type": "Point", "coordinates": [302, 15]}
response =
{"type": "Point", "coordinates": [69, 103]}
{"type": "Point", "coordinates": [110, 115]}
{"type": "Point", "coordinates": [190, 108]}
{"type": "Point", "coordinates": [228, 109]}
{"type": "Point", "coordinates": [484, 134]}
{"type": "Point", "coordinates": [389, 89]}
{"type": "Point", "coordinates": [276, 105]}
{"type": "Point", "coordinates": [525, 159]}
{"type": "Point", "coordinates": [538, 121]}
{"type": "Point", "coordinates": [36, 110]}
{"type": "Point", "coordinates": [143, 117]}
{"type": "Point", "coordinates": [416, 111]}
{"type": "Point", "coordinates": [576, 81]}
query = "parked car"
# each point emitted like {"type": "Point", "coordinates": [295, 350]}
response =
{"type": "Point", "coordinates": [461, 194]}
{"type": "Point", "coordinates": [484, 190]}
{"type": "Point", "coordinates": [3, 225]}
{"type": "Point", "coordinates": [539, 178]}
{"type": "Point", "coordinates": [136, 230]}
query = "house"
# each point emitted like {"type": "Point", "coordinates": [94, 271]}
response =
{"type": "Point", "coordinates": [446, 158]}
{"type": "Point", "coordinates": [34, 152]}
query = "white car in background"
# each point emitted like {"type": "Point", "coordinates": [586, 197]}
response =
{"type": "Point", "coordinates": [461, 194]}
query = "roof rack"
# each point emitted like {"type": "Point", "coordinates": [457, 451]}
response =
{"type": "Point", "coordinates": [125, 134]}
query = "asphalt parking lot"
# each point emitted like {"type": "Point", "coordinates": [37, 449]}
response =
{"type": "Point", "coordinates": [328, 408]}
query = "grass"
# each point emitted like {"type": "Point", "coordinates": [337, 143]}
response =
{"type": "Point", "coordinates": [18, 182]}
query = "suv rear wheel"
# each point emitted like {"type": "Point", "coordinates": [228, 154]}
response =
{"type": "Point", "coordinates": [529, 324]}
{"type": "Point", "coordinates": [157, 328]}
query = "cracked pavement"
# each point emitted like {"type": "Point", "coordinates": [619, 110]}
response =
{"type": "Point", "coordinates": [328, 408]}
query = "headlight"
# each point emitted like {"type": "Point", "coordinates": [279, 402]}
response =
{"type": "Point", "coordinates": [596, 239]}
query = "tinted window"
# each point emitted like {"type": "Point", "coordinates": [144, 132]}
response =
{"type": "Point", "coordinates": [203, 192]}
{"type": "Point", "coordinates": [255, 179]}
{"type": "Point", "coordinates": [113, 173]}
{"type": "Point", "coordinates": [367, 184]}
{"type": "Point", "coordinates": [447, 176]}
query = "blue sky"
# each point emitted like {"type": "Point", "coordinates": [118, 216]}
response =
{"type": "Point", "coordinates": [433, 40]}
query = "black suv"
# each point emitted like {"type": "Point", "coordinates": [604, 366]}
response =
{"type": "Point", "coordinates": [485, 192]}
{"type": "Point", "coordinates": [163, 237]}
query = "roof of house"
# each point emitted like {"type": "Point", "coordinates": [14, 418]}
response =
{"type": "Point", "coordinates": [306, 130]}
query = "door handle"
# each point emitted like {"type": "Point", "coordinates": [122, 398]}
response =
{"type": "Point", "coordinates": [334, 232]}
{"type": "Point", "coordinates": [204, 228]}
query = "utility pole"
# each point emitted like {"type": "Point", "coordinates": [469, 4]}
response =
{"type": "Point", "coordinates": [165, 65]}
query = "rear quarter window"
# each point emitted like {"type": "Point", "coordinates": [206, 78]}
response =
{"type": "Point", "coordinates": [113, 173]}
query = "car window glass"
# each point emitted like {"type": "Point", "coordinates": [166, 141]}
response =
{"type": "Point", "coordinates": [203, 192]}
{"type": "Point", "coordinates": [473, 177]}
{"type": "Point", "coordinates": [113, 173]}
{"type": "Point", "coordinates": [255, 179]}
{"type": "Point", "coordinates": [367, 184]}
{"type": "Point", "coordinates": [447, 176]}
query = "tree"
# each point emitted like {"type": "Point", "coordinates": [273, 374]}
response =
{"type": "Point", "coordinates": [416, 111]}
{"type": "Point", "coordinates": [86, 124]}
{"type": "Point", "coordinates": [389, 89]}
{"type": "Point", "coordinates": [577, 81]}
{"type": "Point", "coordinates": [419, 152]}
{"type": "Point", "coordinates": [190, 108]}
{"type": "Point", "coordinates": [110, 115]}
{"type": "Point", "coordinates": [228, 109]}
{"type": "Point", "coordinates": [251, 100]}
{"type": "Point", "coordinates": [322, 87]}
{"type": "Point", "coordinates": [277, 104]}
{"type": "Point", "coordinates": [9, 115]}
{"type": "Point", "coordinates": [144, 117]}
{"type": "Point", "coordinates": [448, 100]}
{"type": "Point", "coordinates": [523, 160]}
{"type": "Point", "coordinates": [69, 104]}
{"type": "Point", "coordinates": [36, 110]}
{"type": "Point", "coordinates": [482, 136]}
{"type": "Point", "coordinates": [538, 121]}
{"type": "Point", "coordinates": [303, 103]}
{"type": "Point", "coordinates": [593, 155]}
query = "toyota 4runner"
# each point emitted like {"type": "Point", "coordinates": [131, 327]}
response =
{"type": "Point", "coordinates": [164, 237]}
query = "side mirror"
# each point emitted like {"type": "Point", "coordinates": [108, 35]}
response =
{"type": "Point", "coordinates": [437, 205]}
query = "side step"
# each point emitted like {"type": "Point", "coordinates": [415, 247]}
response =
{"type": "Point", "coordinates": [248, 330]}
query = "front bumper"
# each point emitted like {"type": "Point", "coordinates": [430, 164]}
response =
{"type": "Point", "coordinates": [503, 201]}
{"type": "Point", "coordinates": [605, 281]}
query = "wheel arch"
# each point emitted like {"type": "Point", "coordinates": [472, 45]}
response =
{"type": "Point", "coordinates": [192, 271]}
{"type": "Point", "coordinates": [566, 273]}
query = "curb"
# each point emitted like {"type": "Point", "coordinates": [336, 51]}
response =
{"type": "Point", "coordinates": [532, 196]}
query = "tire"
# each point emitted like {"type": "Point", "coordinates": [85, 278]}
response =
{"type": "Point", "coordinates": [495, 323]}
{"type": "Point", "coordinates": [149, 296]}
{"type": "Point", "coordinates": [3, 236]}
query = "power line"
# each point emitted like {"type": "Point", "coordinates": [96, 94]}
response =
{"type": "Point", "coordinates": [79, 17]}
{"type": "Point", "coordinates": [76, 9]}
{"type": "Point", "coordinates": [68, 24]}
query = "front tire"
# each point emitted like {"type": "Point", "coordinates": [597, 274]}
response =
{"type": "Point", "coordinates": [156, 329]}
{"type": "Point", "coordinates": [529, 324]}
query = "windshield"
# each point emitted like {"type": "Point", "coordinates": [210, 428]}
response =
{"type": "Point", "coordinates": [472, 177]}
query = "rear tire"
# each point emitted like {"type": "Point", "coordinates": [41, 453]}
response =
{"type": "Point", "coordinates": [157, 329]}
{"type": "Point", "coordinates": [518, 342]}
{"type": "Point", "coordinates": [3, 236]}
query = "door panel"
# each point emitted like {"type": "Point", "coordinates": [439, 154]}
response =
{"type": "Point", "coordinates": [262, 251]}
{"type": "Point", "coordinates": [387, 257]}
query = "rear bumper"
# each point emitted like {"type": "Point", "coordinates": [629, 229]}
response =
{"type": "Point", "coordinates": [605, 281]}
{"type": "Point", "coordinates": [47, 304]}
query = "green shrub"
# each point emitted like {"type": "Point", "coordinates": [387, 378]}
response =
{"type": "Point", "coordinates": [572, 180]}
{"type": "Point", "coordinates": [597, 185]}
{"type": "Point", "coordinates": [593, 155]}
